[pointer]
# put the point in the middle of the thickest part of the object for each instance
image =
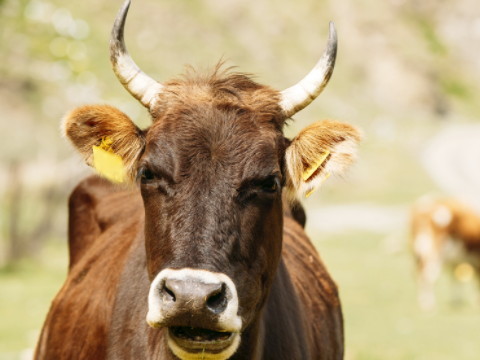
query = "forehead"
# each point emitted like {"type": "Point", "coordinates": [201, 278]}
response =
{"type": "Point", "coordinates": [212, 118]}
{"type": "Point", "coordinates": [231, 93]}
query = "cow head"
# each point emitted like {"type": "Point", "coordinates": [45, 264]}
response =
{"type": "Point", "coordinates": [212, 168]}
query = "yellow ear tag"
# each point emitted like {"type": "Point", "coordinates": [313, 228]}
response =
{"type": "Point", "coordinates": [107, 163]}
{"type": "Point", "coordinates": [312, 168]}
{"type": "Point", "coordinates": [312, 190]}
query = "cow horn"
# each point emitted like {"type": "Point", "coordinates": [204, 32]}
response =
{"type": "Point", "coordinates": [139, 84]}
{"type": "Point", "coordinates": [297, 97]}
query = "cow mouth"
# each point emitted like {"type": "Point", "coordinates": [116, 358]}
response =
{"type": "Point", "coordinates": [200, 340]}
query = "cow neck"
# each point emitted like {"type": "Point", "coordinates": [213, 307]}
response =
{"type": "Point", "coordinates": [280, 315]}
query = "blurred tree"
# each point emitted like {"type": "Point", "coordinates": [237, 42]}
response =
{"type": "Point", "coordinates": [26, 235]}
{"type": "Point", "coordinates": [15, 241]}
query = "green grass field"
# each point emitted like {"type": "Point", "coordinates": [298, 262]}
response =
{"type": "Point", "coordinates": [382, 321]}
{"type": "Point", "coordinates": [25, 296]}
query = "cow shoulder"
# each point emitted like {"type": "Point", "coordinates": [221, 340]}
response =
{"type": "Point", "coordinates": [115, 218]}
{"type": "Point", "coordinates": [317, 292]}
{"type": "Point", "coordinates": [94, 205]}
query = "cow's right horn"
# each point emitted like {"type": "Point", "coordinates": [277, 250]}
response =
{"type": "Point", "coordinates": [139, 84]}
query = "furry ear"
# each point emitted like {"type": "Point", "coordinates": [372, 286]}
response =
{"type": "Point", "coordinates": [104, 127]}
{"type": "Point", "coordinates": [322, 149]}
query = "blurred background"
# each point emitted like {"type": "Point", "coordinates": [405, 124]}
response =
{"type": "Point", "coordinates": [407, 74]}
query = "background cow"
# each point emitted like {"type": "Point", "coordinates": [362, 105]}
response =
{"type": "Point", "coordinates": [205, 247]}
{"type": "Point", "coordinates": [446, 233]}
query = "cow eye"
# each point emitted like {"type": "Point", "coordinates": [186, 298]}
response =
{"type": "Point", "coordinates": [259, 189]}
{"type": "Point", "coordinates": [146, 175]}
{"type": "Point", "coordinates": [270, 184]}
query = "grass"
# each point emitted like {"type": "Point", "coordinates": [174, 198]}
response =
{"type": "Point", "coordinates": [382, 320]}
{"type": "Point", "coordinates": [26, 293]}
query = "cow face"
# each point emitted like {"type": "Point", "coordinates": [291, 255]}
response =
{"type": "Point", "coordinates": [211, 179]}
{"type": "Point", "coordinates": [212, 173]}
{"type": "Point", "coordinates": [212, 169]}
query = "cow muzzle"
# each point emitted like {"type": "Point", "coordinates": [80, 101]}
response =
{"type": "Point", "coordinates": [200, 310]}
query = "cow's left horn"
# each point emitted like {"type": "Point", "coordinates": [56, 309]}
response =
{"type": "Point", "coordinates": [139, 84]}
{"type": "Point", "coordinates": [297, 97]}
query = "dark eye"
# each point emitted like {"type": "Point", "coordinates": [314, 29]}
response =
{"type": "Point", "coordinates": [270, 184]}
{"type": "Point", "coordinates": [259, 189]}
{"type": "Point", "coordinates": [146, 175]}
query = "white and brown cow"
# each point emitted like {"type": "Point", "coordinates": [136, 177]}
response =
{"type": "Point", "coordinates": [204, 256]}
{"type": "Point", "coordinates": [444, 233]}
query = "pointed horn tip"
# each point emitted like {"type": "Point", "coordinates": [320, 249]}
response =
{"type": "Point", "coordinates": [124, 9]}
{"type": "Point", "coordinates": [122, 14]}
{"type": "Point", "coordinates": [332, 31]}
{"type": "Point", "coordinates": [296, 98]}
{"type": "Point", "coordinates": [116, 36]}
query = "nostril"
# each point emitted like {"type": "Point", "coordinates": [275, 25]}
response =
{"type": "Point", "coordinates": [167, 294]}
{"type": "Point", "coordinates": [217, 301]}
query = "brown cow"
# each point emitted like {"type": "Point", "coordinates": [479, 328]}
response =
{"type": "Point", "coordinates": [206, 247]}
{"type": "Point", "coordinates": [445, 232]}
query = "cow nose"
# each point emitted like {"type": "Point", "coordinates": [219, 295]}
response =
{"type": "Point", "coordinates": [193, 298]}
{"type": "Point", "coordinates": [194, 295]}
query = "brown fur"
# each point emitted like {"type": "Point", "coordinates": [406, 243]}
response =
{"type": "Point", "coordinates": [221, 89]}
{"type": "Point", "coordinates": [100, 311]}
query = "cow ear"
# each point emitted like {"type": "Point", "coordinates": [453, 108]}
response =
{"type": "Point", "coordinates": [107, 140]}
{"type": "Point", "coordinates": [322, 149]}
